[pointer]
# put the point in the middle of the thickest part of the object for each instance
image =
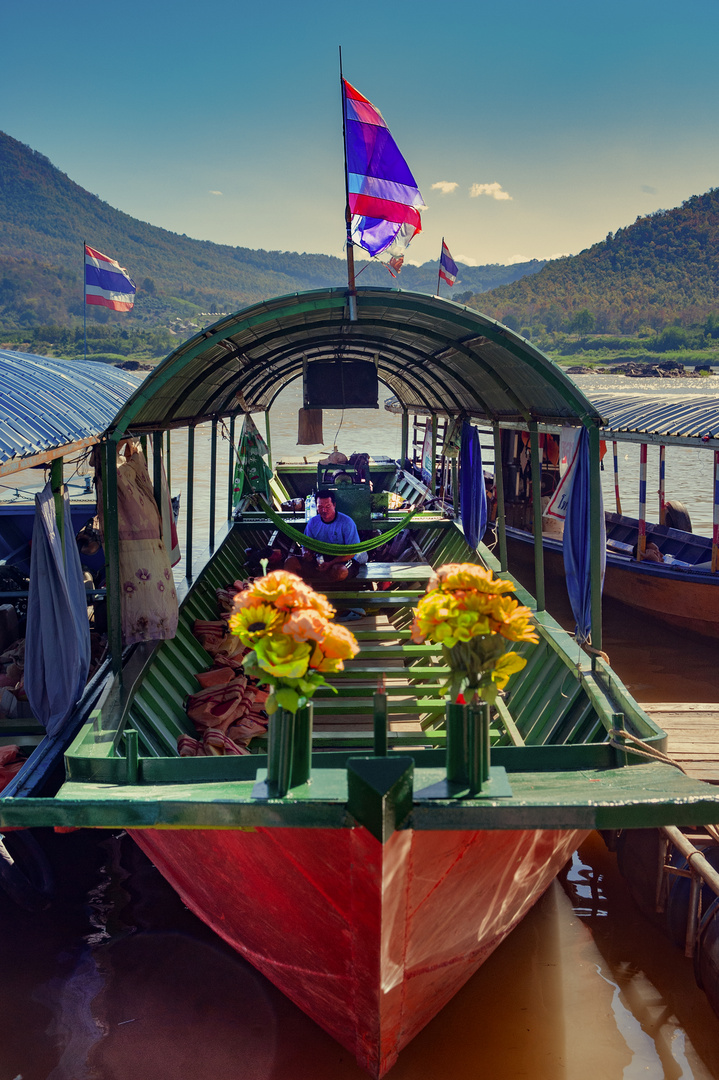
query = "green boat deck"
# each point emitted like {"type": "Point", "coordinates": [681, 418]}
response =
{"type": "Point", "coordinates": [551, 731]}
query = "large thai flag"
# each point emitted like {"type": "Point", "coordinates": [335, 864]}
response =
{"type": "Point", "coordinates": [384, 199]}
{"type": "Point", "coordinates": [106, 282]}
{"type": "Point", "coordinates": [447, 266]}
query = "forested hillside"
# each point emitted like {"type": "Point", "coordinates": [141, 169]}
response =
{"type": "Point", "coordinates": [45, 217]}
{"type": "Point", "coordinates": [662, 270]}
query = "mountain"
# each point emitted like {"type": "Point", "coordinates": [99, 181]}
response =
{"type": "Point", "coordinates": [662, 269]}
{"type": "Point", "coordinates": [45, 217]}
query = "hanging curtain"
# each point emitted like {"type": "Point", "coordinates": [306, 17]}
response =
{"type": "Point", "coordinates": [577, 562]}
{"type": "Point", "coordinates": [473, 496]}
{"type": "Point", "coordinates": [57, 648]}
{"type": "Point", "coordinates": [252, 473]}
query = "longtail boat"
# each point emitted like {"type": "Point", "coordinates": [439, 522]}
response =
{"type": "Point", "coordinates": [372, 882]}
{"type": "Point", "coordinates": [683, 590]}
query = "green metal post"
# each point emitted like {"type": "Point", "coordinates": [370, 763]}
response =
{"type": "Point", "coordinates": [404, 445]}
{"type": "Point", "coordinates": [190, 500]}
{"type": "Point", "coordinates": [499, 487]}
{"type": "Point", "coordinates": [168, 460]}
{"type": "Point", "coordinates": [595, 536]}
{"type": "Point", "coordinates": [157, 469]}
{"type": "Point", "coordinates": [537, 515]}
{"type": "Point", "coordinates": [231, 475]}
{"type": "Point", "coordinates": [433, 479]}
{"type": "Point", "coordinates": [268, 438]}
{"type": "Point", "coordinates": [213, 481]}
{"type": "Point", "coordinates": [112, 553]}
{"type": "Point", "coordinates": [379, 710]}
{"type": "Point", "coordinates": [132, 755]}
{"type": "Point", "coordinates": [56, 486]}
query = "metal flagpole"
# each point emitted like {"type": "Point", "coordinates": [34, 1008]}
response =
{"type": "Point", "coordinates": [439, 268]}
{"type": "Point", "coordinates": [84, 296]}
{"type": "Point", "coordinates": [348, 216]}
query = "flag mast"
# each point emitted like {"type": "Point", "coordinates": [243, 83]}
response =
{"type": "Point", "coordinates": [352, 291]}
{"type": "Point", "coordinates": [84, 294]}
{"type": "Point", "coordinates": [439, 268]}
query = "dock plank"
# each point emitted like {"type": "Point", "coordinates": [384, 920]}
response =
{"type": "Point", "coordinates": [693, 735]}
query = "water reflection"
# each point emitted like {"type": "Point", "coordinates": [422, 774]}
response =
{"type": "Point", "coordinates": [118, 981]}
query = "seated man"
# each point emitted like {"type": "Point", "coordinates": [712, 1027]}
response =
{"type": "Point", "coordinates": [331, 527]}
{"type": "Point", "coordinates": [651, 552]}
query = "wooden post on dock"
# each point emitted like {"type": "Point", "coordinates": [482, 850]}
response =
{"type": "Point", "coordinates": [642, 537]}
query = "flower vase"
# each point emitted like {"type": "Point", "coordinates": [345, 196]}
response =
{"type": "Point", "coordinates": [289, 750]}
{"type": "Point", "coordinates": [468, 753]}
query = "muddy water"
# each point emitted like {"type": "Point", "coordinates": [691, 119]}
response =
{"type": "Point", "coordinates": [118, 981]}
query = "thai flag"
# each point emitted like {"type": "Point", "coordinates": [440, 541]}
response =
{"type": "Point", "coordinates": [447, 266]}
{"type": "Point", "coordinates": [384, 199]}
{"type": "Point", "coordinates": [106, 282]}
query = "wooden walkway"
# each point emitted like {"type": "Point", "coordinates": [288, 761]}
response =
{"type": "Point", "coordinates": [693, 732]}
{"type": "Point", "coordinates": [411, 690]}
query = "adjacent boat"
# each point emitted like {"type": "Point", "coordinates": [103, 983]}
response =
{"type": "Point", "coordinates": [683, 590]}
{"type": "Point", "coordinates": [374, 882]}
{"type": "Point", "coordinates": [53, 410]}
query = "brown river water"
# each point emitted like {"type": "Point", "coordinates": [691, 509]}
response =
{"type": "Point", "coordinates": [118, 981]}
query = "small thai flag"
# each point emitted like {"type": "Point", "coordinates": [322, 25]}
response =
{"type": "Point", "coordinates": [447, 266]}
{"type": "Point", "coordinates": [106, 282]}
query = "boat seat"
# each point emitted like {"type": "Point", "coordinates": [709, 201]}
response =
{"type": "Point", "coordinates": [394, 571]}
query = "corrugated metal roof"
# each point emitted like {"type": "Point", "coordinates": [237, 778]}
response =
{"type": "Point", "coordinates": [47, 404]}
{"type": "Point", "coordinates": [679, 418]}
{"type": "Point", "coordinates": [430, 352]}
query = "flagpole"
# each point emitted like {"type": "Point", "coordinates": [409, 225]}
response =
{"type": "Point", "coordinates": [439, 268]}
{"type": "Point", "coordinates": [352, 297]}
{"type": "Point", "coordinates": [84, 296]}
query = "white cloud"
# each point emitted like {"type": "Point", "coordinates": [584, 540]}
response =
{"type": "Point", "coordinates": [494, 191]}
{"type": "Point", "coordinates": [215, 193]}
{"type": "Point", "coordinates": [445, 186]}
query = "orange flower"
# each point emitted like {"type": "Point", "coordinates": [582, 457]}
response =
{"type": "Point", "coordinates": [286, 592]}
{"type": "Point", "coordinates": [306, 624]}
{"type": "Point", "coordinates": [339, 643]}
{"type": "Point", "coordinates": [468, 576]}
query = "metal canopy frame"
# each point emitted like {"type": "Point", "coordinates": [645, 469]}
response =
{"type": "Point", "coordinates": [51, 407]}
{"type": "Point", "coordinates": [430, 352]}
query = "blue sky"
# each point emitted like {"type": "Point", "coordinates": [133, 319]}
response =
{"type": "Point", "coordinates": [556, 122]}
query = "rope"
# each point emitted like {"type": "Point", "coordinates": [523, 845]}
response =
{"type": "Point", "coordinates": [595, 652]}
{"type": "Point", "coordinates": [641, 749]}
{"type": "Point", "coordinates": [322, 548]}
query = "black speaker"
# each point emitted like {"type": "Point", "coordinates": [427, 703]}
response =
{"type": "Point", "coordinates": [341, 384]}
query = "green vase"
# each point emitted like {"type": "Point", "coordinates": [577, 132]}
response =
{"type": "Point", "coordinates": [468, 753]}
{"type": "Point", "coordinates": [289, 750]}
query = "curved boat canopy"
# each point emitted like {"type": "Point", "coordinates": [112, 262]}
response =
{"type": "Point", "coordinates": [432, 354]}
{"type": "Point", "coordinates": [50, 407]}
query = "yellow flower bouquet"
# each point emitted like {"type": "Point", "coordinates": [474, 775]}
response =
{"type": "Point", "coordinates": [467, 610]}
{"type": "Point", "coordinates": [293, 642]}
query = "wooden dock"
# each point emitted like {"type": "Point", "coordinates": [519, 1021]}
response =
{"type": "Point", "coordinates": [693, 732]}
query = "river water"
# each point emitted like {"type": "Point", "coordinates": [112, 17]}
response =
{"type": "Point", "coordinates": [118, 981]}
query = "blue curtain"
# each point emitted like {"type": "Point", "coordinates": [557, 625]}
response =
{"type": "Point", "coordinates": [473, 496]}
{"type": "Point", "coordinates": [577, 543]}
{"type": "Point", "coordinates": [57, 648]}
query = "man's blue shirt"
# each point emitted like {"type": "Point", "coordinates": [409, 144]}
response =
{"type": "Point", "coordinates": [340, 531]}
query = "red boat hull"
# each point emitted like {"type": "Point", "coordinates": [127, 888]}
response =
{"type": "Point", "coordinates": [370, 940]}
